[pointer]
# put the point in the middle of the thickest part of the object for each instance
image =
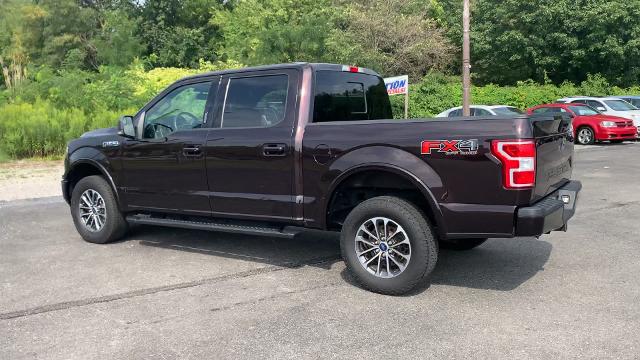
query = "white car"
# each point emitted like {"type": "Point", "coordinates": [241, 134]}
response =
{"type": "Point", "coordinates": [609, 106]}
{"type": "Point", "coordinates": [483, 110]}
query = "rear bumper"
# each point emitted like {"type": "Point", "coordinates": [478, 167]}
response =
{"type": "Point", "coordinates": [549, 214]}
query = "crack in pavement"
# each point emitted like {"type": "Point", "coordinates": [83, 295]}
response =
{"type": "Point", "coordinates": [149, 291]}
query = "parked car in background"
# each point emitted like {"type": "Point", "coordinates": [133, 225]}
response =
{"type": "Point", "coordinates": [589, 125]}
{"type": "Point", "coordinates": [631, 99]}
{"type": "Point", "coordinates": [613, 106]}
{"type": "Point", "coordinates": [483, 110]}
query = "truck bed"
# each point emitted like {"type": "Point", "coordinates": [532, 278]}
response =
{"type": "Point", "coordinates": [461, 184]}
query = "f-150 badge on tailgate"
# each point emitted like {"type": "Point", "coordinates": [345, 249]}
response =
{"type": "Point", "coordinates": [450, 147]}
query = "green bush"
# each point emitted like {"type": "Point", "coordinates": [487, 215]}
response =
{"type": "Point", "coordinates": [40, 129]}
{"type": "Point", "coordinates": [40, 117]}
{"type": "Point", "coordinates": [436, 93]}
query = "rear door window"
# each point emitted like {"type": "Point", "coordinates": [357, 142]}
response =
{"type": "Point", "coordinates": [480, 112]}
{"type": "Point", "coordinates": [594, 104]}
{"type": "Point", "coordinates": [343, 96]}
{"type": "Point", "coordinates": [635, 102]}
{"type": "Point", "coordinates": [258, 101]}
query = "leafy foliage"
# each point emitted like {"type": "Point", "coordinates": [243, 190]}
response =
{"type": "Point", "coordinates": [556, 39]}
{"type": "Point", "coordinates": [390, 36]}
{"type": "Point", "coordinates": [275, 31]}
{"type": "Point", "coordinates": [178, 32]}
{"type": "Point", "coordinates": [67, 66]}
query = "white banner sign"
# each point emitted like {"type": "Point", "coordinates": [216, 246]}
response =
{"type": "Point", "coordinates": [397, 85]}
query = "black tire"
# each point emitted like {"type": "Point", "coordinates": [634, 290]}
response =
{"type": "Point", "coordinates": [424, 246]}
{"type": "Point", "coordinates": [115, 226]}
{"type": "Point", "coordinates": [588, 140]}
{"type": "Point", "coordinates": [461, 244]}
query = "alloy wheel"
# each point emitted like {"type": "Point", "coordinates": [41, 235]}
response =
{"type": "Point", "coordinates": [93, 211]}
{"type": "Point", "coordinates": [382, 247]}
{"type": "Point", "coordinates": [585, 136]}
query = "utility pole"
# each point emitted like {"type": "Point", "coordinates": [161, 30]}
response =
{"type": "Point", "coordinates": [466, 59]}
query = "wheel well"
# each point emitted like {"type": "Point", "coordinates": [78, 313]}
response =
{"type": "Point", "coordinates": [79, 172]}
{"type": "Point", "coordinates": [368, 184]}
{"type": "Point", "coordinates": [585, 126]}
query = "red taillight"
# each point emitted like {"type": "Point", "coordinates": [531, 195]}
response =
{"type": "Point", "coordinates": [518, 158]}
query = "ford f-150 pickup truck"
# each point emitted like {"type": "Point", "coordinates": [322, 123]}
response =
{"type": "Point", "coordinates": [276, 149]}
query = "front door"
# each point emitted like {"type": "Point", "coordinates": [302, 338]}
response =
{"type": "Point", "coordinates": [250, 152]}
{"type": "Point", "coordinates": [164, 169]}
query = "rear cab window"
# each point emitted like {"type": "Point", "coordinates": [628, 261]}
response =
{"type": "Point", "coordinates": [345, 96]}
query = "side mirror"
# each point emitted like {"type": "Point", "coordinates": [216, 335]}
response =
{"type": "Point", "coordinates": [601, 108]}
{"type": "Point", "coordinates": [126, 128]}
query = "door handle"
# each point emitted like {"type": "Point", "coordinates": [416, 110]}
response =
{"type": "Point", "coordinates": [274, 149]}
{"type": "Point", "coordinates": [191, 151]}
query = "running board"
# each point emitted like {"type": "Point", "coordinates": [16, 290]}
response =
{"type": "Point", "coordinates": [227, 226]}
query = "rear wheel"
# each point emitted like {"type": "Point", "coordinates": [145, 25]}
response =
{"type": "Point", "coordinates": [95, 211]}
{"type": "Point", "coordinates": [585, 136]}
{"type": "Point", "coordinates": [388, 245]}
{"type": "Point", "coordinates": [461, 244]}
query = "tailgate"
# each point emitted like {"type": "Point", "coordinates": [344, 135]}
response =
{"type": "Point", "coordinates": [554, 159]}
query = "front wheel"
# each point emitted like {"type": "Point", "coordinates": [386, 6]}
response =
{"type": "Point", "coordinates": [388, 245]}
{"type": "Point", "coordinates": [585, 136]}
{"type": "Point", "coordinates": [95, 211]}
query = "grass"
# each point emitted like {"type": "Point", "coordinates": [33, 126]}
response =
{"type": "Point", "coordinates": [4, 157]}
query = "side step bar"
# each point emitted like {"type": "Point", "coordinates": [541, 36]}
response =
{"type": "Point", "coordinates": [227, 226]}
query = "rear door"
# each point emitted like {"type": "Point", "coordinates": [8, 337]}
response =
{"type": "Point", "coordinates": [554, 159]}
{"type": "Point", "coordinates": [250, 150]}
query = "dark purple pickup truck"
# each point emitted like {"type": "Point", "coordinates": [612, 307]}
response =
{"type": "Point", "coordinates": [276, 149]}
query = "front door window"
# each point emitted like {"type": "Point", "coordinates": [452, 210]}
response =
{"type": "Point", "coordinates": [181, 109]}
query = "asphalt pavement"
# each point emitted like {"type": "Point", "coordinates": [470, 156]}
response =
{"type": "Point", "coordinates": [176, 294]}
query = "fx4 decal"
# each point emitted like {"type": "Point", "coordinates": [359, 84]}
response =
{"type": "Point", "coordinates": [450, 147]}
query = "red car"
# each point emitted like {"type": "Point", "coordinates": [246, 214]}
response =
{"type": "Point", "coordinates": [589, 125]}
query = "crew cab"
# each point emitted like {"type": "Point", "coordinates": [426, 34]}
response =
{"type": "Point", "coordinates": [589, 124]}
{"type": "Point", "coordinates": [274, 150]}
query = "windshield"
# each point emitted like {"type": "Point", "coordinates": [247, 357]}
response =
{"type": "Point", "coordinates": [620, 105]}
{"type": "Point", "coordinates": [507, 110]}
{"type": "Point", "coordinates": [583, 110]}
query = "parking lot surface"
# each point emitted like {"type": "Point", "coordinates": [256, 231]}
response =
{"type": "Point", "coordinates": [167, 293]}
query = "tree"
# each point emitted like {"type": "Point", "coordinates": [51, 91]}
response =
{"type": "Point", "coordinates": [557, 40]}
{"type": "Point", "coordinates": [13, 56]}
{"type": "Point", "coordinates": [64, 33]}
{"type": "Point", "coordinates": [178, 32]}
{"type": "Point", "coordinates": [275, 31]}
{"type": "Point", "coordinates": [391, 36]}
